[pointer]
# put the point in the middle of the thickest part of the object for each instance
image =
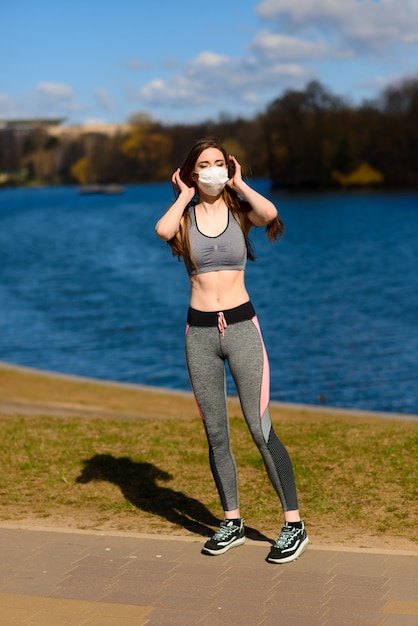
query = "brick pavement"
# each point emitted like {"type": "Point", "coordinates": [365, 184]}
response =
{"type": "Point", "coordinates": [76, 578]}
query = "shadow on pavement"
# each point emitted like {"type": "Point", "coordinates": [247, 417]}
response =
{"type": "Point", "coordinates": [138, 483]}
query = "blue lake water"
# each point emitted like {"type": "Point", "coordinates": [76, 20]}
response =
{"type": "Point", "coordinates": [87, 288]}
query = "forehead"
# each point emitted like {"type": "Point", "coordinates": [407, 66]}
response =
{"type": "Point", "coordinates": [209, 155]}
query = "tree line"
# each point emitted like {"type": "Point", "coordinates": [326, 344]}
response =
{"type": "Point", "coordinates": [305, 139]}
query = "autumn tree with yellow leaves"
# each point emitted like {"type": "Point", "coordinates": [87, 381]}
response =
{"type": "Point", "coordinates": [149, 148]}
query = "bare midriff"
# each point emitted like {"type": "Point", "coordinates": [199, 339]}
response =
{"type": "Point", "coordinates": [218, 291]}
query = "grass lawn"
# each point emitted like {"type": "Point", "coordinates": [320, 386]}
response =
{"type": "Point", "coordinates": [81, 454]}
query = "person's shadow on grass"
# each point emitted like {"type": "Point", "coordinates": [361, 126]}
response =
{"type": "Point", "coordinates": [138, 483]}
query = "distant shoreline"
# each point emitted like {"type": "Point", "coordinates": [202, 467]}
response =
{"type": "Point", "coordinates": [311, 408]}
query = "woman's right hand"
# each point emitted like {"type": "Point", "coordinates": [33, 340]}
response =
{"type": "Point", "coordinates": [180, 186]}
{"type": "Point", "coordinates": [168, 226]}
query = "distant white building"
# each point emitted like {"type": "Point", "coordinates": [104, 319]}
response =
{"type": "Point", "coordinates": [26, 125]}
{"type": "Point", "coordinates": [53, 126]}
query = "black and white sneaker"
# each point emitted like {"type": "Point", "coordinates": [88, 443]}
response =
{"type": "Point", "coordinates": [292, 542]}
{"type": "Point", "coordinates": [228, 536]}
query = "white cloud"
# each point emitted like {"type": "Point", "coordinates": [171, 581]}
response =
{"type": "Point", "coordinates": [380, 83]}
{"type": "Point", "coordinates": [209, 59]}
{"type": "Point", "coordinates": [52, 98]}
{"type": "Point", "coordinates": [7, 106]}
{"type": "Point", "coordinates": [170, 63]}
{"type": "Point", "coordinates": [180, 91]}
{"type": "Point", "coordinates": [276, 47]}
{"type": "Point", "coordinates": [367, 25]}
{"type": "Point", "coordinates": [47, 99]}
{"type": "Point", "coordinates": [250, 98]}
{"type": "Point", "coordinates": [295, 43]}
{"type": "Point", "coordinates": [214, 78]}
{"type": "Point", "coordinates": [103, 98]}
{"type": "Point", "coordinates": [136, 64]}
{"type": "Point", "coordinates": [56, 92]}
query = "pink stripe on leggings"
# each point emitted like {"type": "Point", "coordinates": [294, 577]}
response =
{"type": "Point", "coordinates": [265, 382]}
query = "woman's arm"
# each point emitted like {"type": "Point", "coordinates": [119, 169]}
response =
{"type": "Point", "coordinates": [168, 225]}
{"type": "Point", "coordinates": [263, 210]}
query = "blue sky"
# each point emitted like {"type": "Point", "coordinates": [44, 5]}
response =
{"type": "Point", "coordinates": [188, 61]}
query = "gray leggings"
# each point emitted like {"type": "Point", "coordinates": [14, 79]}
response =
{"type": "Point", "coordinates": [208, 347]}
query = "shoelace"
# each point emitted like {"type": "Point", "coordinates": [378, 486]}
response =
{"type": "Point", "coordinates": [222, 323]}
{"type": "Point", "coordinates": [224, 532]}
{"type": "Point", "coordinates": [286, 536]}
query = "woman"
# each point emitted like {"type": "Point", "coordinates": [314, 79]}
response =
{"type": "Point", "coordinates": [210, 233]}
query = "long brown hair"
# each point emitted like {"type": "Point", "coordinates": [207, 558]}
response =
{"type": "Point", "coordinates": [180, 244]}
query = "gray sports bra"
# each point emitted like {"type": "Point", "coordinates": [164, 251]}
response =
{"type": "Point", "coordinates": [227, 251]}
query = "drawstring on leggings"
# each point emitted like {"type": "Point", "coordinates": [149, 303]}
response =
{"type": "Point", "coordinates": [222, 323]}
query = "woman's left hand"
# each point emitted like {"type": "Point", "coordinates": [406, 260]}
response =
{"type": "Point", "coordinates": [263, 210]}
{"type": "Point", "coordinates": [235, 182]}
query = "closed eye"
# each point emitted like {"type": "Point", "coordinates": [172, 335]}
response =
{"type": "Point", "coordinates": [203, 164]}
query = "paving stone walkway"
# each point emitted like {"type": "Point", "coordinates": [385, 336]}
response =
{"type": "Point", "coordinates": [60, 578]}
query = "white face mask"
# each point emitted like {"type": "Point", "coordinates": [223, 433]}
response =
{"type": "Point", "coordinates": [213, 179]}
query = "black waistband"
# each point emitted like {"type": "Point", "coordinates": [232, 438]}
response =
{"type": "Point", "coordinates": [210, 318]}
